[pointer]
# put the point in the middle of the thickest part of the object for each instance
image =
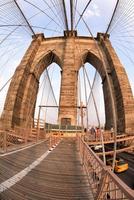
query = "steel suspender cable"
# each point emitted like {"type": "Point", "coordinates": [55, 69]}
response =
{"type": "Point", "coordinates": [43, 12]}
{"type": "Point", "coordinates": [85, 87]}
{"type": "Point", "coordinates": [65, 14]}
{"type": "Point", "coordinates": [51, 88]}
{"type": "Point", "coordinates": [112, 16]}
{"type": "Point", "coordinates": [82, 13]}
{"type": "Point", "coordinates": [55, 14]}
{"type": "Point", "coordinates": [71, 13]}
{"type": "Point", "coordinates": [24, 17]}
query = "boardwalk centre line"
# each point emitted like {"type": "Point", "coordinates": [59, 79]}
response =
{"type": "Point", "coordinates": [16, 178]}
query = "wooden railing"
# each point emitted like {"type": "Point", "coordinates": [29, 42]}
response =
{"type": "Point", "coordinates": [104, 183]}
{"type": "Point", "coordinates": [19, 136]}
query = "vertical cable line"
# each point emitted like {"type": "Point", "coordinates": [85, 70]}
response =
{"type": "Point", "coordinates": [65, 14]}
{"type": "Point", "coordinates": [80, 99]}
{"type": "Point", "coordinates": [24, 17]}
{"type": "Point", "coordinates": [75, 9]}
{"type": "Point", "coordinates": [85, 87]}
{"type": "Point", "coordinates": [61, 11]}
{"type": "Point", "coordinates": [71, 13]}
{"type": "Point", "coordinates": [112, 16]}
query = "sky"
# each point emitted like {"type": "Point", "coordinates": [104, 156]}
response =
{"type": "Point", "coordinates": [46, 16]}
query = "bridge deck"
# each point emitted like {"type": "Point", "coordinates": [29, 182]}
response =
{"type": "Point", "coordinates": [59, 175]}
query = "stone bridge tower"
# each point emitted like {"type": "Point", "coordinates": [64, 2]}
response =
{"type": "Point", "coordinates": [69, 52]}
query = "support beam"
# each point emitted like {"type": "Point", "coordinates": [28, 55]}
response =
{"type": "Point", "coordinates": [48, 106]}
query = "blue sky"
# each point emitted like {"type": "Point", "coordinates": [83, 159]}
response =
{"type": "Point", "coordinates": [46, 16]}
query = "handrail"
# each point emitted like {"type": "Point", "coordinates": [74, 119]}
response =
{"type": "Point", "coordinates": [104, 183]}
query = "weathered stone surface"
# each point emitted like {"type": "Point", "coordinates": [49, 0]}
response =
{"type": "Point", "coordinates": [69, 52]}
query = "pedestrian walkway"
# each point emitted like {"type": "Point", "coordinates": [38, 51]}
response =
{"type": "Point", "coordinates": [55, 175]}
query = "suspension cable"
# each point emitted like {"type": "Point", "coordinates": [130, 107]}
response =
{"type": "Point", "coordinates": [43, 12]}
{"type": "Point", "coordinates": [85, 86]}
{"type": "Point", "coordinates": [112, 16]}
{"type": "Point", "coordinates": [71, 13]}
{"type": "Point", "coordinates": [82, 13]}
{"type": "Point", "coordinates": [51, 87]}
{"type": "Point", "coordinates": [55, 14]}
{"type": "Point", "coordinates": [6, 83]}
{"type": "Point", "coordinates": [65, 14]}
{"type": "Point", "coordinates": [24, 17]}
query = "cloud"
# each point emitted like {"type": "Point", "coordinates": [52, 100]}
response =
{"type": "Point", "coordinates": [93, 11]}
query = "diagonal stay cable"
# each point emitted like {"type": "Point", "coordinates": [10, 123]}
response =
{"type": "Point", "coordinates": [57, 16]}
{"type": "Point", "coordinates": [57, 5]}
{"type": "Point", "coordinates": [43, 12]}
{"type": "Point", "coordinates": [122, 18]}
{"type": "Point", "coordinates": [6, 83]}
{"type": "Point", "coordinates": [91, 91]}
{"type": "Point", "coordinates": [82, 13]}
{"type": "Point", "coordinates": [51, 86]}
{"type": "Point", "coordinates": [21, 25]}
{"type": "Point", "coordinates": [24, 17]}
{"type": "Point", "coordinates": [1, 5]}
{"type": "Point", "coordinates": [8, 35]}
{"type": "Point", "coordinates": [112, 16]}
{"type": "Point", "coordinates": [92, 86]}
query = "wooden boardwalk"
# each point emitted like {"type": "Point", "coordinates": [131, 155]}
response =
{"type": "Point", "coordinates": [59, 176]}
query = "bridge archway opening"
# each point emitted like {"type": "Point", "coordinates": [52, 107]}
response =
{"type": "Point", "coordinates": [23, 97]}
{"type": "Point", "coordinates": [48, 95]}
{"type": "Point", "coordinates": [90, 93]}
{"type": "Point", "coordinates": [96, 60]}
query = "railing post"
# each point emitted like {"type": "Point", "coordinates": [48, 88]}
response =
{"type": "Point", "coordinates": [38, 133]}
{"type": "Point", "coordinates": [103, 186]}
{"type": "Point", "coordinates": [50, 143]}
{"type": "Point", "coordinates": [5, 141]}
{"type": "Point", "coordinates": [26, 135]}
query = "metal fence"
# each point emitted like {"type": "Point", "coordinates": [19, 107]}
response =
{"type": "Point", "coordinates": [104, 183]}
